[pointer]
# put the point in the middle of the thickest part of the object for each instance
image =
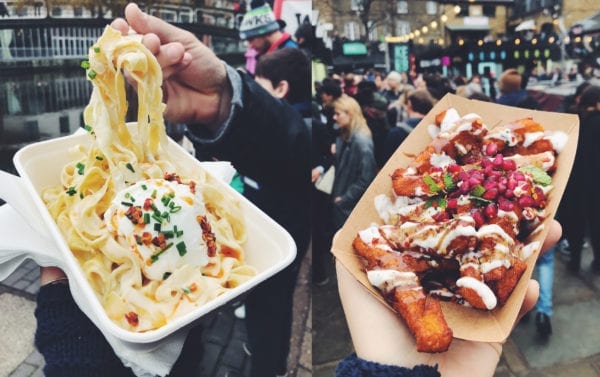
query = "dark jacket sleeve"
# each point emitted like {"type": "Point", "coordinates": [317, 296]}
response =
{"type": "Point", "coordinates": [71, 344]}
{"type": "Point", "coordinates": [268, 143]}
{"type": "Point", "coordinates": [353, 366]}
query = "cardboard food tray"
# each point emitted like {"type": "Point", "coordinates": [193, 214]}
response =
{"type": "Point", "coordinates": [269, 247]}
{"type": "Point", "coordinates": [466, 323]}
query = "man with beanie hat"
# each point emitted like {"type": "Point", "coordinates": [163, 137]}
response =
{"type": "Point", "coordinates": [510, 88]}
{"type": "Point", "coordinates": [262, 30]}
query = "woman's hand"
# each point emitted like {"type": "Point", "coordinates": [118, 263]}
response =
{"type": "Point", "coordinates": [379, 335]}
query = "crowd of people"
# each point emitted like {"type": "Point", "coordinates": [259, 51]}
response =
{"type": "Point", "coordinates": [262, 120]}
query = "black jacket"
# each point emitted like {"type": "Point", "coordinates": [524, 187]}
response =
{"type": "Point", "coordinates": [268, 143]}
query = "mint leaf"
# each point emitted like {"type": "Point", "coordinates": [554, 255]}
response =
{"type": "Point", "coordinates": [433, 187]}
{"type": "Point", "coordinates": [538, 175]}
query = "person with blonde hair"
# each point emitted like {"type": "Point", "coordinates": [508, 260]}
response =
{"type": "Point", "coordinates": [355, 165]}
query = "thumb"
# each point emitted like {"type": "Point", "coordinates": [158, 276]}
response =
{"type": "Point", "coordinates": [144, 23]}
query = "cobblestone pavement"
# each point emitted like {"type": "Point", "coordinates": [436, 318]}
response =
{"type": "Point", "coordinates": [223, 338]}
{"type": "Point", "coordinates": [573, 348]}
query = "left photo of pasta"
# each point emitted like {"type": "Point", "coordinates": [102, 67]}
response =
{"type": "Point", "coordinates": [156, 202]}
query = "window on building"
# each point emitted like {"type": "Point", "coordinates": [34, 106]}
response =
{"type": "Point", "coordinates": [356, 5]}
{"type": "Point", "coordinates": [402, 27]}
{"type": "Point", "coordinates": [352, 30]}
{"type": "Point", "coordinates": [464, 11]}
{"type": "Point", "coordinates": [489, 10]}
{"type": "Point", "coordinates": [402, 7]}
{"type": "Point", "coordinates": [78, 11]}
{"type": "Point", "coordinates": [431, 7]}
{"type": "Point", "coordinates": [56, 11]}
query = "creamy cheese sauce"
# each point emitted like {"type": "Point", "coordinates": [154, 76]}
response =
{"type": "Point", "coordinates": [178, 216]}
{"type": "Point", "coordinates": [487, 296]}
{"type": "Point", "coordinates": [532, 137]}
{"type": "Point", "coordinates": [558, 139]}
{"type": "Point", "coordinates": [388, 280]}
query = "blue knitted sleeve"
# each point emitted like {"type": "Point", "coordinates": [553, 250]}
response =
{"type": "Point", "coordinates": [71, 344]}
{"type": "Point", "coordinates": [353, 366]}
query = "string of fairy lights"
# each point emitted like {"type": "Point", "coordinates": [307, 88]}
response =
{"type": "Point", "coordinates": [418, 35]}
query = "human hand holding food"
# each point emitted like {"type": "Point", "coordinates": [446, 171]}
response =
{"type": "Point", "coordinates": [195, 83]}
{"type": "Point", "coordinates": [380, 336]}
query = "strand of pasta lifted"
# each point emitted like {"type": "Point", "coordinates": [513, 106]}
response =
{"type": "Point", "coordinates": [154, 239]}
{"type": "Point", "coordinates": [458, 227]}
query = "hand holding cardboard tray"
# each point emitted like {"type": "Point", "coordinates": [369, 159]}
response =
{"type": "Point", "coordinates": [466, 323]}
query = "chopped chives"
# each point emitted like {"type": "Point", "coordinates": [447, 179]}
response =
{"type": "Point", "coordinates": [181, 248]}
{"type": "Point", "coordinates": [168, 233]}
{"type": "Point", "coordinates": [175, 209]}
{"type": "Point", "coordinates": [99, 158]}
{"type": "Point", "coordinates": [128, 204]}
{"type": "Point", "coordinates": [146, 218]}
{"type": "Point", "coordinates": [144, 187]}
{"type": "Point", "coordinates": [130, 167]}
{"type": "Point", "coordinates": [85, 64]}
{"type": "Point", "coordinates": [92, 74]}
{"type": "Point", "coordinates": [88, 128]}
{"type": "Point", "coordinates": [157, 227]}
{"type": "Point", "coordinates": [157, 218]}
{"type": "Point", "coordinates": [80, 168]}
{"type": "Point", "coordinates": [186, 291]}
{"type": "Point", "coordinates": [71, 191]}
{"type": "Point", "coordinates": [127, 195]}
{"type": "Point", "coordinates": [154, 258]}
{"type": "Point", "coordinates": [179, 234]}
{"type": "Point", "coordinates": [166, 275]}
{"type": "Point", "coordinates": [96, 49]}
{"type": "Point", "coordinates": [153, 196]}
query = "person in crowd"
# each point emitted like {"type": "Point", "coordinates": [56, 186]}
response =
{"type": "Point", "coordinates": [419, 103]}
{"type": "Point", "coordinates": [229, 117]}
{"type": "Point", "coordinates": [489, 80]}
{"type": "Point", "coordinates": [393, 92]}
{"type": "Point", "coordinates": [510, 88]}
{"type": "Point", "coordinates": [438, 86]}
{"type": "Point", "coordinates": [355, 165]}
{"type": "Point", "coordinates": [262, 31]}
{"type": "Point", "coordinates": [583, 202]}
{"type": "Point", "coordinates": [350, 84]}
{"type": "Point", "coordinates": [330, 91]}
{"type": "Point", "coordinates": [374, 108]}
{"type": "Point", "coordinates": [385, 348]}
{"type": "Point", "coordinates": [544, 266]}
{"type": "Point", "coordinates": [480, 97]}
{"type": "Point", "coordinates": [285, 74]}
{"type": "Point", "coordinates": [379, 80]}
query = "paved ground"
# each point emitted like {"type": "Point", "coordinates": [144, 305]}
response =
{"type": "Point", "coordinates": [572, 350]}
{"type": "Point", "coordinates": [223, 337]}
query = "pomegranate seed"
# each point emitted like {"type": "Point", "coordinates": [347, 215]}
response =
{"type": "Point", "coordinates": [509, 165]}
{"type": "Point", "coordinates": [506, 205]}
{"type": "Point", "coordinates": [464, 187]}
{"type": "Point", "coordinates": [488, 170]}
{"type": "Point", "coordinates": [491, 149]}
{"type": "Point", "coordinates": [511, 184]}
{"type": "Point", "coordinates": [489, 184]}
{"type": "Point", "coordinates": [526, 187]}
{"type": "Point", "coordinates": [463, 176]}
{"type": "Point", "coordinates": [497, 174]}
{"type": "Point", "coordinates": [478, 217]}
{"type": "Point", "coordinates": [525, 201]}
{"type": "Point", "coordinates": [453, 168]}
{"type": "Point", "coordinates": [473, 181]}
{"type": "Point", "coordinates": [490, 194]}
{"type": "Point", "coordinates": [503, 180]}
{"type": "Point", "coordinates": [491, 211]}
{"type": "Point", "coordinates": [501, 188]}
{"type": "Point", "coordinates": [518, 176]}
{"type": "Point", "coordinates": [509, 194]}
{"type": "Point", "coordinates": [498, 161]}
{"type": "Point", "coordinates": [440, 216]}
{"type": "Point", "coordinates": [452, 203]}
{"type": "Point", "coordinates": [538, 196]}
{"type": "Point", "coordinates": [436, 169]}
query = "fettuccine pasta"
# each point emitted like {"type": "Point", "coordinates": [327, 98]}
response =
{"type": "Point", "coordinates": [154, 241]}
